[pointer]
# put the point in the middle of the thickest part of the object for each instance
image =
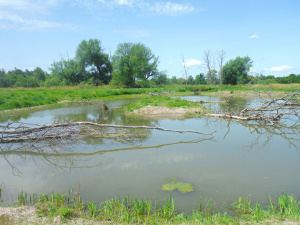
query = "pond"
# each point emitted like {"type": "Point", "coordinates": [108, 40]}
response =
{"type": "Point", "coordinates": [241, 158]}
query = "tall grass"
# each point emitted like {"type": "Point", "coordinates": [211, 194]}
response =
{"type": "Point", "coordinates": [134, 211]}
{"type": "Point", "coordinates": [12, 98]}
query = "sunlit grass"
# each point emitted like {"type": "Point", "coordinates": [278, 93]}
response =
{"type": "Point", "coordinates": [131, 210]}
{"type": "Point", "coordinates": [13, 98]}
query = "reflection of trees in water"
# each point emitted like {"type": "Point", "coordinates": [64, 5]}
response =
{"type": "Point", "coordinates": [235, 105]}
{"type": "Point", "coordinates": [68, 157]}
{"type": "Point", "coordinates": [265, 134]}
{"type": "Point", "coordinates": [65, 162]}
{"type": "Point", "coordinates": [110, 116]}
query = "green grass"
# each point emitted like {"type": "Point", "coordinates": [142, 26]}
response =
{"type": "Point", "coordinates": [14, 98]}
{"type": "Point", "coordinates": [131, 210]}
{"type": "Point", "coordinates": [160, 101]}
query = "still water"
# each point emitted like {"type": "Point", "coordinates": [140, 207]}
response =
{"type": "Point", "coordinates": [240, 159]}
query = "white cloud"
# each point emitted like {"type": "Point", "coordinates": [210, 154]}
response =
{"type": "Point", "coordinates": [28, 5]}
{"type": "Point", "coordinates": [134, 33]}
{"type": "Point", "coordinates": [254, 36]}
{"type": "Point", "coordinates": [280, 68]}
{"type": "Point", "coordinates": [124, 2]}
{"type": "Point", "coordinates": [166, 8]}
{"type": "Point", "coordinates": [170, 63]}
{"type": "Point", "coordinates": [171, 8]}
{"type": "Point", "coordinates": [25, 24]}
{"type": "Point", "coordinates": [192, 62]}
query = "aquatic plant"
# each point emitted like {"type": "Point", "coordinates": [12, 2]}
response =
{"type": "Point", "coordinates": [175, 184]}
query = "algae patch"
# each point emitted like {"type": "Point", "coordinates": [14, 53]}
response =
{"type": "Point", "coordinates": [175, 184]}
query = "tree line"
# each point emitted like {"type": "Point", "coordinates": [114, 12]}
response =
{"type": "Point", "coordinates": [133, 65]}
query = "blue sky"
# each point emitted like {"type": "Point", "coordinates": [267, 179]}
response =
{"type": "Point", "coordinates": [35, 33]}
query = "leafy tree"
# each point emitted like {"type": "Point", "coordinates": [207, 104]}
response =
{"type": "Point", "coordinates": [68, 70]}
{"type": "Point", "coordinates": [133, 62]}
{"type": "Point", "coordinates": [190, 80]}
{"type": "Point", "coordinates": [180, 80]}
{"type": "Point", "coordinates": [39, 75]}
{"type": "Point", "coordinates": [91, 57]}
{"type": "Point", "coordinates": [161, 78]}
{"type": "Point", "coordinates": [173, 80]}
{"type": "Point", "coordinates": [236, 71]}
{"type": "Point", "coordinates": [200, 79]}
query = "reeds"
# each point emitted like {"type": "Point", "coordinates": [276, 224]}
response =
{"type": "Point", "coordinates": [133, 210]}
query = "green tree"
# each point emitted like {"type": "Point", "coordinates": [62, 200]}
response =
{"type": "Point", "coordinates": [236, 71]}
{"type": "Point", "coordinates": [39, 75]}
{"type": "Point", "coordinates": [133, 62]}
{"type": "Point", "coordinates": [161, 78]}
{"type": "Point", "coordinates": [173, 80]}
{"type": "Point", "coordinates": [190, 80]}
{"type": "Point", "coordinates": [91, 57]}
{"type": "Point", "coordinates": [200, 79]}
{"type": "Point", "coordinates": [69, 70]}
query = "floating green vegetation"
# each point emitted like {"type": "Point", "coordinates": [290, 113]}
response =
{"type": "Point", "coordinates": [175, 184]}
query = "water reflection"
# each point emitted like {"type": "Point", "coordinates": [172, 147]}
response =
{"type": "Point", "coordinates": [263, 134]}
{"type": "Point", "coordinates": [241, 159]}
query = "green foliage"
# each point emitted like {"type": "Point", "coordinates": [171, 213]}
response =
{"type": "Point", "coordinates": [90, 54]}
{"type": "Point", "coordinates": [236, 71]}
{"type": "Point", "coordinates": [163, 101]}
{"type": "Point", "coordinates": [133, 62]}
{"type": "Point", "coordinates": [135, 211]}
{"type": "Point", "coordinates": [161, 78]}
{"type": "Point", "coordinates": [190, 80]}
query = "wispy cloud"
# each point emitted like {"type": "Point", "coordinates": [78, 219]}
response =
{"type": "Point", "coordinates": [192, 62]}
{"type": "Point", "coordinates": [170, 63]}
{"type": "Point", "coordinates": [162, 8]}
{"type": "Point", "coordinates": [169, 8]}
{"type": "Point", "coordinates": [28, 5]}
{"type": "Point", "coordinates": [280, 68]}
{"type": "Point", "coordinates": [15, 21]}
{"type": "Point", "coordinates": [134, 33]}
{"type": "Point", "coordinates": [254, 36]}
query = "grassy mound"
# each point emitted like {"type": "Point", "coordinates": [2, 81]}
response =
{"type": "Point", "coordinates": [161, 101]}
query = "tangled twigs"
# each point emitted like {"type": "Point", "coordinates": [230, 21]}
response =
{"type": "Point", "coordinates": [270, 111]}
{"type": "Point", "coordinates": [64, 130]}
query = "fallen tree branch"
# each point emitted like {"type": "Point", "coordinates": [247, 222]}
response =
{"type": "Point", "coordinates": [271, 111]}
{"type": "Point", "coordinates": [66, 130]}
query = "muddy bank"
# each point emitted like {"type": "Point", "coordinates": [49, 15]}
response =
{"type": "Point", "coordinates": [28, 215]}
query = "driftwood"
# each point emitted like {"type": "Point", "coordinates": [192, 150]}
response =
{"type": "Point", "coordinates": [25, 132]}
{"type": "Point", "coordinates": [270, 111]}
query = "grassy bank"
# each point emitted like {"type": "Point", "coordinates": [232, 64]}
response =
{"type": "Point", "coordinates": [131, 210]}
{"type": "Point", "coordinates": [14, 98]}
{"type": "Point", "coordinates": [162, 101]}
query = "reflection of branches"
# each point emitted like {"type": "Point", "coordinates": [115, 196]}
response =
{"type": "Point", "coordinates": [15, 170]}
{"type": "Point", "coordinates": [61, 161]}
{"type": "Point", "coordinates": [67, 161]}
{"type": "Point", "coordinates": [265, 132]}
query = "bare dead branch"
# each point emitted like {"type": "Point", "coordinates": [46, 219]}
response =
{"type": "Point", "coordinates": [271, 111]}
{"type": "Point", "coordinates": [67, 130]}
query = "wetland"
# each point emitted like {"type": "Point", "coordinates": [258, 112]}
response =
{"type": "Point", "coordinates": [241, 159]}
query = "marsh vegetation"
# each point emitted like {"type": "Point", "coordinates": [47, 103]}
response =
{"type": "Point", "coordinates": [228, 166]}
